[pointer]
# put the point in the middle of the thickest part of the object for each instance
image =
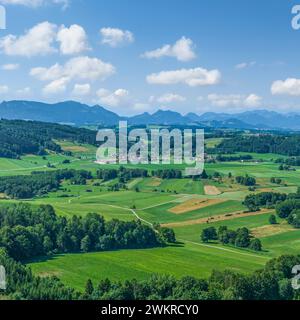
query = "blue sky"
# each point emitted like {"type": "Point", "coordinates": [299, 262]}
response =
{"type": "Point", "coordinates": [133, 56]}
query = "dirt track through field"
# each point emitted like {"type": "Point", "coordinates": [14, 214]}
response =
{"type": "Point", "coordinates": [224, 217]}
{"type": "Point", "coordinates": [223, 249]}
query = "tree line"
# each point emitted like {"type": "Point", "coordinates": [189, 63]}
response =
{"type": "Point", "coordinates": [287, 206]}
{"type": "Point", "coordinates": [126, 174]}
{"type": "Point", "coordinates": [262, 143]}
{"type": "Point", "coordinates": [240, 238]}
{"type": "Point", "coordinates": [291, 161]}
{"type": "Point", "coordinates": [27, 232]}
{"type": "Point", "coordinates": [263, 200]}
{"type": "Point", "coordinates": [226, 158]}
{"type": "Point", "coordinates": [246, 180]}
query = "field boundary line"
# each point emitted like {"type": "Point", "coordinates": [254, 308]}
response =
{"type": "Point", "coordinates": [222, 249]}
{"type": "Point", "coordinates": [132, 211]}
{"type": "Point", "coordinates": [35, 168]}
{"type": "Point", "coordinates": [161, 204]}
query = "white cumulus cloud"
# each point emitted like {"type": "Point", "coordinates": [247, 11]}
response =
{"type": "Point", "coordinates": [290, 86]}
{"type": "Point", "coordinates": [72, 40]}
{"type": "Point", "coordinates": [84, 67]}
{"type": "Point", "coordinates": [253, 100]}
{"type": "Point", "coordinates": [234, 100]}
{"type": "Point", "coordinates": [81, 89]}
{"type": "Point", "coordinates": [112, 99]}
{"type": "Point", "coordinates": [36, 41]}
{"type": "Point", "coordinates": [115, 37]}
{"type": "Point", "coordinates": [56, 86]}
{"type": "Point", "coordinates": [44, 38]}
{"type": "Point", "coordinates": [182, 50]}
{"type": "Point", "coordinates": [79, 68]}
{"type": "Point", "coordinates": [191, 77]}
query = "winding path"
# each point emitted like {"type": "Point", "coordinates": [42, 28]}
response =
{"type": "Point", "coordinates": [195, 243]}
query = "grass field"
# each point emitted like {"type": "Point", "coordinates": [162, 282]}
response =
{"type": "Point", "coordinates": [189, 259]}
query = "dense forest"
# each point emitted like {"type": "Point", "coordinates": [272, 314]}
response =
{"type": "Point", "coordinates": [27, 232]}
{"type": "Point", "coordinates": [262, 143]}
{"type": "Point", "coordinates": [30, 137]}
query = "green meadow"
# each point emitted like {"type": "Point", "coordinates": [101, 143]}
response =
{"type": "Point", "coordinates": [187, 259]}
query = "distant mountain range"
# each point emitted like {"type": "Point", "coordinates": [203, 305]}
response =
{"type": "Point", "coordinates": [75, 113]}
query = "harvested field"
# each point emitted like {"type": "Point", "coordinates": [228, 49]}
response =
{"type": "Point", "coordinates": [155, 182]}
{"type": "Point", "coordinates": [270, 230]}
{"type": "Point", "coordinates": [194, 204]}
{"type": "Point", "coordinates": [224, 217]}
{"type": "Point", "coordinates": [265, 190]}
{"type": "Point", "coordinates": [211, 190]}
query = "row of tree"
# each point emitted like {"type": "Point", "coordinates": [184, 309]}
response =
{"type": "Point", "coordinates": [246, 180]}
{"type": "Point", "coordinates": [240, 238]}
{"type": "Point", "coordinates": [125, 174]}
{"type": "Point", "coordinates": [261, 143]}
{"type": "Point", "coordinates": [227, 158]}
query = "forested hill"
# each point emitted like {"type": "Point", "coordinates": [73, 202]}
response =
{"type": "Point", "coordinates": [19, 137]}
{"type": "Point", "coordinates": [264, 143]}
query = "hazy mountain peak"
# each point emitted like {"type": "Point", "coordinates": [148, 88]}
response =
{"type": "Point", "coordinates": [77, 113]}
